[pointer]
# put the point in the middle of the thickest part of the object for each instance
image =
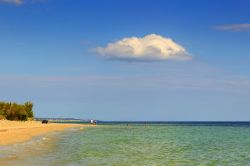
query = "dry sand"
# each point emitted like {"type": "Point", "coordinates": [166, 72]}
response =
{"type": "Point", "coordinates": [15, 131]}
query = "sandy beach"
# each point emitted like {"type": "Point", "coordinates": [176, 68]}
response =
{"type": "Point", "coordinates": [16, 131]}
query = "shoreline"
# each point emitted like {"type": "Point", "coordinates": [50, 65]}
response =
{"type": "Point", "coordinates": [12, 132]}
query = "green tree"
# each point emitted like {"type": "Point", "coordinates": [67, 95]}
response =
{"type": "Point", "coordinates": [28, 107]}
{"type": "Point", "coordinates": [21, 115]}
{"type": "Point", "coordinates": [14, 111]}
{"type": "Point", "coordinates": [2, 116]}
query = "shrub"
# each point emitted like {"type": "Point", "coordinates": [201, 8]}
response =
{"type": "Point", "coordinates": [28, 107]}
{"type": "Point", "coordinates": [14, 111]}
{"type": "Point", "coordinates": [21, 115]}
{"type": "Point", "coordinates": [2, 117]}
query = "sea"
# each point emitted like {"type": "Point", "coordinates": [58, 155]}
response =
{"type": "Point", "coordinates": [137, 144]}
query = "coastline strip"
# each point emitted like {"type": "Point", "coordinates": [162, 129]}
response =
{"type": "Point", "coordinates": [12, 132]}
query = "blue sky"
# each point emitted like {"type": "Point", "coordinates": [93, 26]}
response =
{"type": "Point", "coordinates": [48, 52]}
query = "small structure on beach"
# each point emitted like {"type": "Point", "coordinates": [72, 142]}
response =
{"type": "Point", "coordinates": [45, 121]}
{"type": "Point", "coordinates": [92, 121]}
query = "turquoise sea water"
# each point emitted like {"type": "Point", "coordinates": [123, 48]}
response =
{"type": "Point", "coordinates": [180, 145]}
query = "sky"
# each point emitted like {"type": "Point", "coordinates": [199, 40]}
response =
{"type": "Point", "coordinates": [157, 60]}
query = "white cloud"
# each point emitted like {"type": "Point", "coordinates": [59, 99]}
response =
{"type": "Point", "coordinates": [17, 2]}
{"type": "Point", "coordinates": [149, 47]}
{"type": "Point", "coordinates": [235, 27]}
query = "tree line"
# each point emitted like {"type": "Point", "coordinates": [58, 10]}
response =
{"type": "Point", "coordinates": [14, 111]}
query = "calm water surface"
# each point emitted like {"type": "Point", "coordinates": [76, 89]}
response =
{"type": "Point", "coordinates": [137, 144]}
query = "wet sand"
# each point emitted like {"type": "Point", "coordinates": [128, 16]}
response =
{"type": "Point", "coordinates": [15, 131]}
